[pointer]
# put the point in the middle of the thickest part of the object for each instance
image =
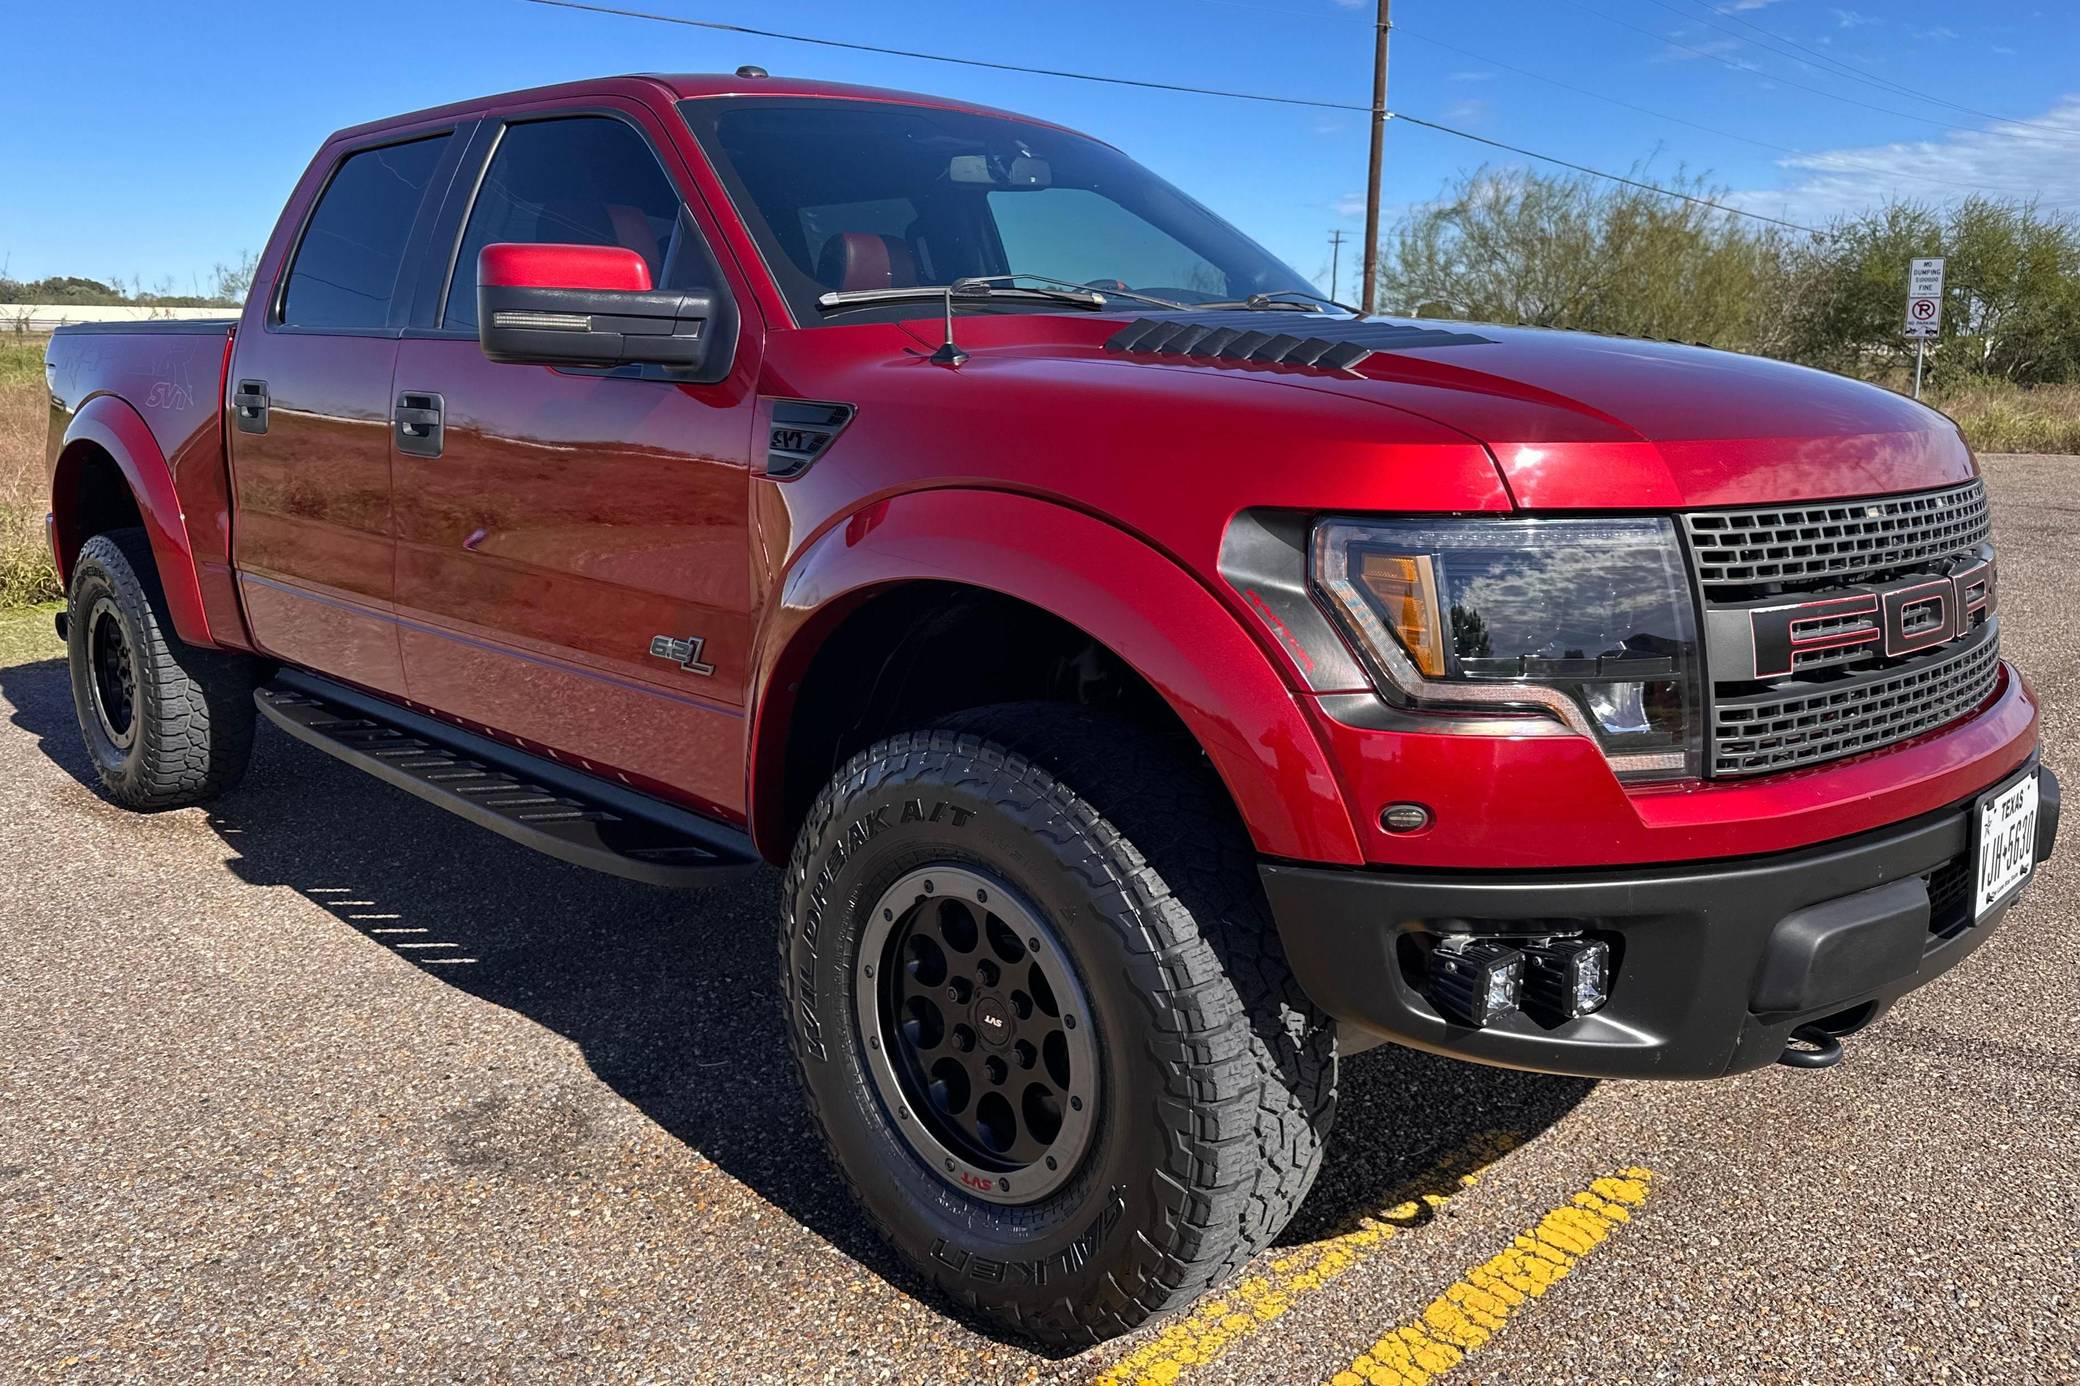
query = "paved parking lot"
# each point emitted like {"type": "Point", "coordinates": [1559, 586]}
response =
{"type": "Point", "coordinates": [324, 1083]}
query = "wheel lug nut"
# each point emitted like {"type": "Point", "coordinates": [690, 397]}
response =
{"type": "Point", "coordinates": [994, 1066]}
{"type": "Point", "coordinates": [1026, 1055]}
{"type": "Point", "coordinates": [963, 1038]}
{"type": "Point", "coordinates": [1021, 1005]}
{"type": "Point", "coordinates": [986, 973]}
{"type": "Point", "coordinates": [960, 990]}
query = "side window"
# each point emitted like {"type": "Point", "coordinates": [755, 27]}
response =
{"type": "Point", "coordinates": [346, 267]}
{"type": "Point", "coordinates": [577, 180]}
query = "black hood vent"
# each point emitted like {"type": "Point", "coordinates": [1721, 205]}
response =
{"type": "Point", "coordinates": [1331, 344]}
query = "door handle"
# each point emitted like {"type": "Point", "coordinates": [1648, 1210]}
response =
{"type": "Point", "coordinates": [419, 422]}
{"type": "Point", "coordinates": [249, 406]}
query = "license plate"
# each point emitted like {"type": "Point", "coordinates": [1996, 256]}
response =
{"type": "Point", "coordinates": [2007, 840]}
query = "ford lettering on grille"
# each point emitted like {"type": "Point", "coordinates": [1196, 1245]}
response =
{"type": "Point", "coordinates": [1839, 627]}
{"type": "Point", "coordinates": [1897, 619]}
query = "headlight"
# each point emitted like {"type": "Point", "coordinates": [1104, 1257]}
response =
{"type": "Point", "coordinates": [1589, 621]}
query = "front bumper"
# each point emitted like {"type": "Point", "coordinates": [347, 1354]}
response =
{"type": "Point", "coordinates": [1713, 965]}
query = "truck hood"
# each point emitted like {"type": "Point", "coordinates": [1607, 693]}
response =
{"type": "Point", "coordinates": [1572, 420]}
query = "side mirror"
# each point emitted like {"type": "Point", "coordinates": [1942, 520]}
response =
{"type": "Point", "coordinates": [592, 305]}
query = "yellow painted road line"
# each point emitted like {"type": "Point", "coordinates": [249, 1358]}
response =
{"type": "Point", "coordinates": [1206, 1333]}
{"type": "Point", "coordinates": [1479, 1305]}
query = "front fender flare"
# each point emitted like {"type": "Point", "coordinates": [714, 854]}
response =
{"type": "Point", "coordinates": [108, 423]}
{"type": "Point", "coordinates": [1126, 595]}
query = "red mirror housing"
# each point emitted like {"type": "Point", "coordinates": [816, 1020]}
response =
{"type": "Point", "coordinates": [609, 267]}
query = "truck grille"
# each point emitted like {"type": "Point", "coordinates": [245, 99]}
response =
{"type": "Point", "coordinates": [1759, 733]}
{"type": "Point", "coordinates": [1851, 698]}
{"type": "Point", "coordinates": [1838, 541]}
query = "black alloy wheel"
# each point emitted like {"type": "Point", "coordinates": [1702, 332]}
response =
{"type": "Point", "coordinates": [114, 670]}
{"type": "Point", "coordinates": [978, 1034]}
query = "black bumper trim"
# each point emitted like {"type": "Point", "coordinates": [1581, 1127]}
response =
{"type": "Point", "coordinates": [1714, 965]}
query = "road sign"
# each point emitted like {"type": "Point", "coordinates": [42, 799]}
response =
{"type": "Point", "coordinates": [1924, 298]}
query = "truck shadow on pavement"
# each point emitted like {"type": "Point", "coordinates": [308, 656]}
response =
{"type": "Point", "coordinates": [670, 996]}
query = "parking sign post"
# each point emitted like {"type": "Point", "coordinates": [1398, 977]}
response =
{"type": "Point", "coordinates": [1924, 309]}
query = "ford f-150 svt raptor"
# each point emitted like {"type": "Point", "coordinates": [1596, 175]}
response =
{"type": "Point", "coordinates": [1150, 674]}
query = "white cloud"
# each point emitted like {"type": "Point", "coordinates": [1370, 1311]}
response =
{"type": "Point", "coordinates": [1939, 34]}
{"type": "Point", "coordinates": [2006, 161]}
{"type": "Point", "coordinates": [1470, 110]}
{"type": "Point", "coordinates": [1349, 205]}
{"type": "Point", "coordinates": [1851, 19]}
{"type": "Point", "coordinates": [1472, 76]}
{"type": "Point", "coordinates": [1739, 6]}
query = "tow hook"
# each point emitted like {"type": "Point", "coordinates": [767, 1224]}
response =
{"type": "Point", "coordinates": [65, 625]}
{"type": "Point", "coordinates": [1826, 1050]}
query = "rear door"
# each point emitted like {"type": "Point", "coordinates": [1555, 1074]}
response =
{"type": "Point", "coordinates": [573, 559]}
{"type": "Point", "coordinates": [310, 446]}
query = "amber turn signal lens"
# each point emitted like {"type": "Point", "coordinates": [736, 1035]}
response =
{"type": "Point", "coordinates": [1407, 592]}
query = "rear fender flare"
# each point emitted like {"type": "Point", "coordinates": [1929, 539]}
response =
{"type": "Point", "coordinates": [1128, 596]}
{"type": "Point", "coordinates": [110, 424]}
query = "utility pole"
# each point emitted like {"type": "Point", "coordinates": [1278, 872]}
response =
{"type": "Point", "coordinates": [1370, 299]}
{"type": "Point", "coordinates": [1335, 258]}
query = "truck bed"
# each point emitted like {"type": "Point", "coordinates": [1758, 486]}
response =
{"type": "Point", "coordinates": [150, 398]}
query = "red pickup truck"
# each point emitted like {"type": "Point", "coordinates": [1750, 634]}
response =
{"type": "Point", "coordinates": [1150, 675]}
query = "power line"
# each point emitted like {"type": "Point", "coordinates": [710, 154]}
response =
{"type": "Point", "coordinates": [1844, 69]}
{"type": "Point", "coordinates": [1753, 71]}
{"type": "Point", "coordinates": [1615, 178]}
{"type": "Point", "coordinates": [1609, 100]}
{"type": "Point", "coordinates": [719, 26]}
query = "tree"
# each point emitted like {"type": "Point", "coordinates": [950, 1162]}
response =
{"type": "Point", "coordinates": [1515, 246]}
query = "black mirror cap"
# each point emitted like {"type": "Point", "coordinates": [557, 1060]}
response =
{"type": "Point", "coordinates": [692, 333]}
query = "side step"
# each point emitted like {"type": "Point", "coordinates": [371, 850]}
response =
{"type": "Point", "coordinates": [535, 801]}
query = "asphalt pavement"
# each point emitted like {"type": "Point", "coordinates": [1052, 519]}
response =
{"type": "Point", "coordinates": [322, 1083]}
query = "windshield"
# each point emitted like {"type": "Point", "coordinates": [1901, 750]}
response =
{"type": "Point", "coordinates": [849, 195]}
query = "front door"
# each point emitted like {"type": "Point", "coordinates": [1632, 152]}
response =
{"type": "Point", "coordinates": [310, 443]}
{"type": "Point", "coordinates": [573, 561]}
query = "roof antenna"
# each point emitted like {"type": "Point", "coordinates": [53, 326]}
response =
{"type": "Point", "coordinates": [948, 354]}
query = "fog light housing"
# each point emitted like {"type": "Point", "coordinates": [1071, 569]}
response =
{"type": "Point", "coordinates": [1566, 978]}
{"type": "Point", "coordinates": [1476, 983]}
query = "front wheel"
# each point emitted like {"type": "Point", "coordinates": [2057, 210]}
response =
{"type": "Point", "coordinates": [1042, 1016]}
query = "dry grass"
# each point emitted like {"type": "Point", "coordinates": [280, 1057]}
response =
{"type": "Point", "coordinates": [1995, 417]}
{"type": "Point", "coordinates": [2009, 418]}
{"type": "Point", "coordinates": [26, 574]}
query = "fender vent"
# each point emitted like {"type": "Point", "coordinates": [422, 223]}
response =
{"type": "Point", "coordinates": [801, 429]}
{"type": "Point", "coordinates": [1334, 344]}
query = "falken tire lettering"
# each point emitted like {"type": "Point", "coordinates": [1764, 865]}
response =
{"type": "Point", "coordinates": [1067, 1261]}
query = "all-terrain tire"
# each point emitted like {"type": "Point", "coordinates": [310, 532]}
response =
{"type": "Point", "coordinates": [166, 725]}
{"type": "Point", "coordinates": [1219, 1077]}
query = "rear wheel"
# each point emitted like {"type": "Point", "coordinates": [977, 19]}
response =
{"type": "Point", "coordinates": [166, 725]}
{"type": "Point", "coordinates": [1042, 1016]}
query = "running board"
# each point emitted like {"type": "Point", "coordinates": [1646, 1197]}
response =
{"type": "Point", "coordinates": [535, 801]}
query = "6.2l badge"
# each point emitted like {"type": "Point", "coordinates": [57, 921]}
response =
{"type": "Point", "coordinates": [684, 653]}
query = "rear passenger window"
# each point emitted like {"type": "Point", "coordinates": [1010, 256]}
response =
{"type": "Point", "coordinates": [346, 268]}
{"type": "Point", "coordinates": [579, 180]}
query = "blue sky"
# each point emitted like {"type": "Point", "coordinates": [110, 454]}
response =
{"type": "Point", "coordinates": [139, 144]}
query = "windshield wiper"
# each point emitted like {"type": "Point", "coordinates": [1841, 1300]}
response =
{"type": "Point", "coordinates": [1072, 285]}
{"type": "Point", "coordinates": [1278, 300]}
{"type": "Point", "coordinates": [990, 286]}
{"type": "Point", "coordinates": [959, 288]}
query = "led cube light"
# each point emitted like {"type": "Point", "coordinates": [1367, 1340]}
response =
{"type": "Point", "coordinates": [1566, 978]}
{"type": "Point", "coordinates": [1475, 983]}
